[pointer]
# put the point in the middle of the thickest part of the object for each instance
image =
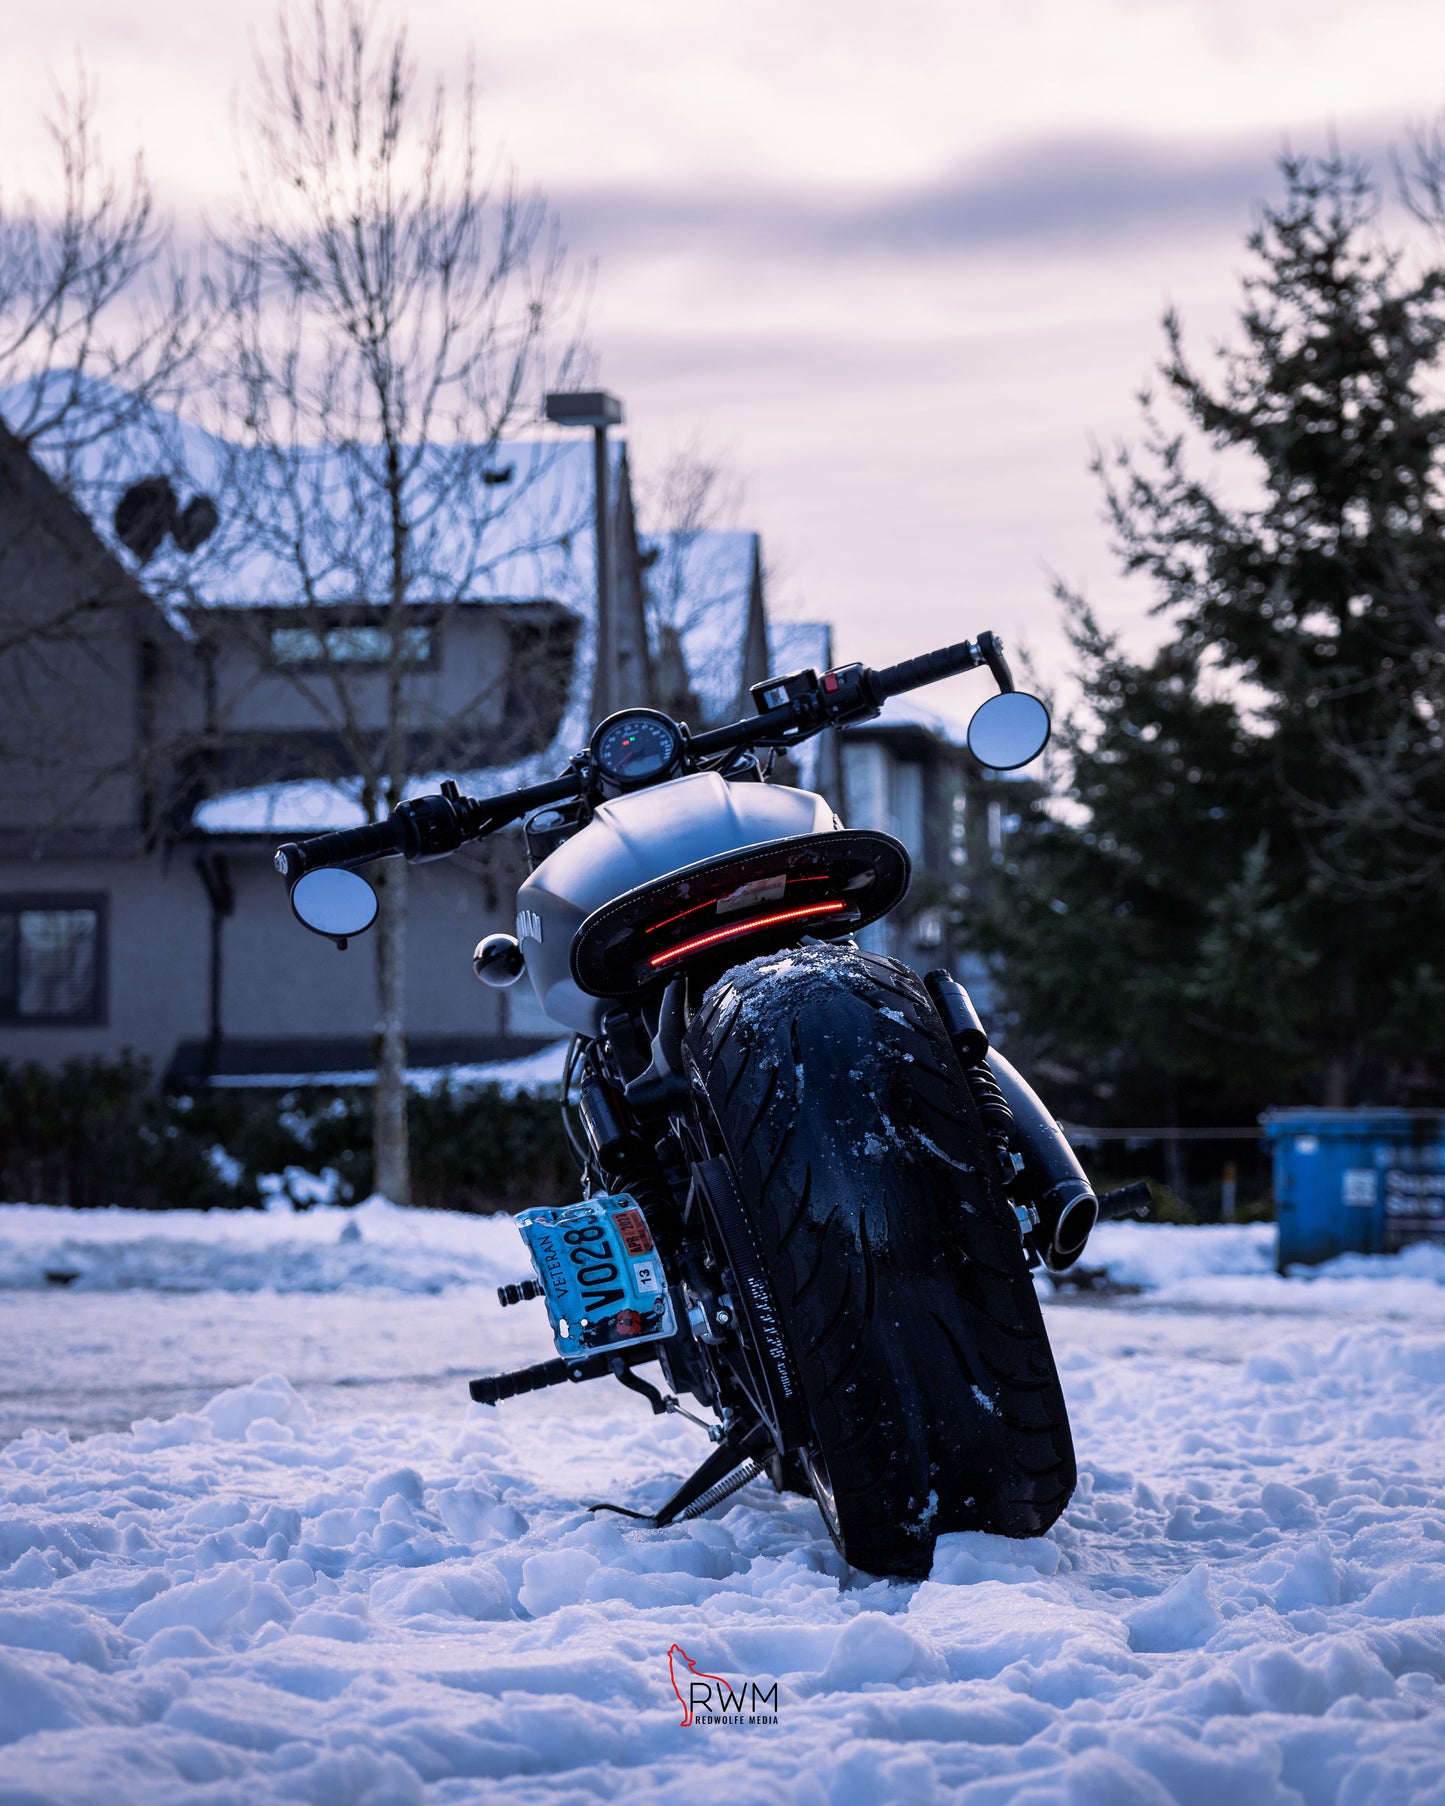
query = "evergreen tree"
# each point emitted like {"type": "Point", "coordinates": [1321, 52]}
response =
{"type": "Point", "coordinates": [1243, 902]}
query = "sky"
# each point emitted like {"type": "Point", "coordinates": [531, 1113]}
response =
{"type": "Point", "coordinates": [900, 268]}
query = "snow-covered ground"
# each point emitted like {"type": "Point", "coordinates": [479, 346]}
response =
{"type": "Point", "coordinates": [348, 1585]}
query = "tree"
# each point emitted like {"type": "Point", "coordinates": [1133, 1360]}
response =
{"type": "Point", "coordinates": [694, 493]}
{"type": "Point", "coordinates": [1243, 902]}
{"type": "Point", "coordinates": [389, 316]}
{"type": "Point", "coordinates": [99, 325]}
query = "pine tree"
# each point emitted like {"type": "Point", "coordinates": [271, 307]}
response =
{"type": "Point", "coordinates": [1244, 901]}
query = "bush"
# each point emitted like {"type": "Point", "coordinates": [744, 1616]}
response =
{"type": "Point", "coordinates": [96, 1133]}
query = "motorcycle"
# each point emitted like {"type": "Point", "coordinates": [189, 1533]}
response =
{"type": "Point", "coordinates": [813, 1194]}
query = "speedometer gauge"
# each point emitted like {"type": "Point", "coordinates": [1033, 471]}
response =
{"type": "Point", "coordinates": [636, 747]}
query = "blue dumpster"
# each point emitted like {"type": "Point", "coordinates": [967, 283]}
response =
{"type": "Point", "coordinates": [1356, 1181]}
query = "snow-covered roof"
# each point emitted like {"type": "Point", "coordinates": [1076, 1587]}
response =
{"type": "Point", "coordinates": [526, 539]}
{"type": "Point", "coordinates": [701, 583]}
{"type": "Point", "coordinates": [907, 711]}
{"type": "Point", "coordinates": [305, 526]}
{"type": "Point", "coordinates": [799, 646]}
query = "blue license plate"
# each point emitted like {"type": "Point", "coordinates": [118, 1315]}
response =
{"type": "Point", "coordinates": [600, 1274]}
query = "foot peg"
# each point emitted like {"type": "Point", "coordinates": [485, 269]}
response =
{"type": "Point", "coordinates": [492, 1389]}
{"type": "Point", "coordinates": [1131, 1201]}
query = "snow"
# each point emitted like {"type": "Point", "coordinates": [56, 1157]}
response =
{"type": "Point", "coordinates": [528, 538]}
{"type": "Point", "coordinates": [327, 1248]}
{"type": "Point", "coordinates": [799, 646]}
{"type": "Point", "coordinates": [1232, 1266]}
{"type": "Point", "coordinates": [906, 710]}
{"type": "Point", "coordinates": [540, 1071]}
{"type": "Point", "coordinates": [309, 1571]}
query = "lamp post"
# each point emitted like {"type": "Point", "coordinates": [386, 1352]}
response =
{"type": "Point", "coordinates": [599, 410]}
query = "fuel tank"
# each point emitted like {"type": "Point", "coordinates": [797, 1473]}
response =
{"type": "Point", "coordinates": [632, 841]}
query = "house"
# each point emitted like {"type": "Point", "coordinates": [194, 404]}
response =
{"type": "Point", "coordinates": [161, 738]}
{"type": "Point", "coordinates": [910, 773]}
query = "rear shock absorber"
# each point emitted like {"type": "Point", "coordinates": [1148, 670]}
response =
{"type": "Point", "coordinates": [1036, 1157]}
{"type": "Point", "coordinates": [624, 1159]}
{"type": "Point", "coordinates": [970, 1042]}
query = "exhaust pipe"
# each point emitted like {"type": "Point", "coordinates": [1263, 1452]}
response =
{"type": "Point", "coordinates": [1052, 1179]}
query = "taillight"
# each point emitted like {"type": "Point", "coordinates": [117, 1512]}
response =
{"type": "Point", "coordinates": [751, 926]}
{"type": "Point", "coordinates": [841, 880]}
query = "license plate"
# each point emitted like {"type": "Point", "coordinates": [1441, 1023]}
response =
{"type": "Point", "coordinates": [600, 1274]}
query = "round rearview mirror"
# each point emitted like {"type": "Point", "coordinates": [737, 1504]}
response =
{"type": "Point", "coordinates": [1008, 730]}
{"type": "Point", "coordinates": [334, 903]}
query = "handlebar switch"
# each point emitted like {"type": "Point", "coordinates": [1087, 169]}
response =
{"type": "Point", "coordinates": [431, 827]}
{"type": "Point", "coordinates": [845, 696]}
{"type": "Point", "coordinates": [774, 692]}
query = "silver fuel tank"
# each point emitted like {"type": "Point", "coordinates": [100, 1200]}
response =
{"type": "Point", "coordinates": [634, 840]}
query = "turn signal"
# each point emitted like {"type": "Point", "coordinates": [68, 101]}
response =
{"type": "Point", "coordinates": [498, 961]}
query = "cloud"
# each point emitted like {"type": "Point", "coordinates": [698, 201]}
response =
{"type": "Point", "coordinates": [1046, 195]}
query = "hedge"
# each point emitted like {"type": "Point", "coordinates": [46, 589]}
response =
{"type": "Point", "coordinates": [96, 1132]}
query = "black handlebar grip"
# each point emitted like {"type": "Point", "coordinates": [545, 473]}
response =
{"type": "Point", "coordinates": [345, 847]}
{"type": "Point", "coordinates": [927, 668]}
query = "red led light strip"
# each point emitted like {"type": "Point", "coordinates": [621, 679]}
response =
{"type": "Point", "coordinates": [748, 927]}
{"type": "Point", "coordinates": [692, 909]}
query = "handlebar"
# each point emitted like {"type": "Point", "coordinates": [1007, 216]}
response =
{"type": "Point", "coordinates": [928, 667]}
{"type": "Point", "coordinates": [430, 827]}
{"type": "Point", "coordinates": [347, 846]}
{"type": "Point", "coordinates": [427, 827]}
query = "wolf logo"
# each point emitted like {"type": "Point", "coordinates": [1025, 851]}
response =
{"type": "Point", "coordinates": [678, 1660]}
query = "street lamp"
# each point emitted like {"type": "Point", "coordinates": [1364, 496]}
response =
{"type": "Point", "coordinates": [599, 410]}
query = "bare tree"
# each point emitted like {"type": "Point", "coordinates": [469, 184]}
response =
{"type": "Point", "coordinates": [694, 493]}
{"type": "Point", "coordinates": [390, 315]}
{"type": "Point", "coordinates": [99, 325]}
{"type": "Point", "coordinates": [98, 322]}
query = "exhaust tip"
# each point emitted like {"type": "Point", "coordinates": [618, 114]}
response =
{"type": "Point", "coordinates": [1073, 1229]}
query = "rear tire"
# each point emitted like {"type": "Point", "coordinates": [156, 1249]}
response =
{"type": "Point", "coordinates": [897, 1267]}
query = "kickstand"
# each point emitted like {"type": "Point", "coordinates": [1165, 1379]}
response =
{"type": "Point", "coordinates": [714, 1477]}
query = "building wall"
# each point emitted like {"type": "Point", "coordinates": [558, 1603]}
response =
{"type": "Point", "coordinates": [277, 979]}
{"type": "Point", "coordinates": [468, 671]}
{"type": "Point", "coordinates": [111, 734]}
{"type": "Point", "coordinates": [71, 668]}
{"type": "Point", "coordinates": [156, 956]}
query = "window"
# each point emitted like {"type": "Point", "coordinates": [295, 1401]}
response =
{"type": "Point", "coordinates": [348, 645]}
{"type": "Point", "coordinates": [52, 960]}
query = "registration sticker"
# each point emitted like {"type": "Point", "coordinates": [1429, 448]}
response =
{"type": "Point", "coordinates": [600, 1274]}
